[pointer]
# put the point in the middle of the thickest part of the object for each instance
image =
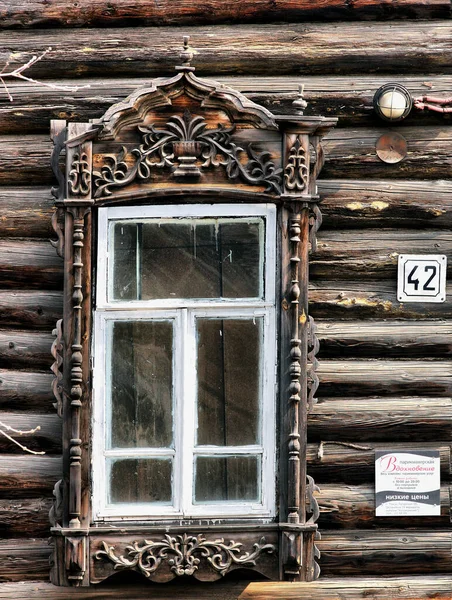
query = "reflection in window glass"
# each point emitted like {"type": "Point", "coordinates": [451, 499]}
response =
{"type": "Point", "coordinates": [227, 478]}
{"type": "Point", "coordinates": [140, 480]}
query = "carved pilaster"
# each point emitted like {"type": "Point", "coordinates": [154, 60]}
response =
{"type": "Point", "coordinates": [75, 559]}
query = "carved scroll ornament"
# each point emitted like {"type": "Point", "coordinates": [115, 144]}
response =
{"type": "Point", "coordinates": [296, 171]}
{"type": "Point", "coordinates": [183, 554]}
{"type": "Point", "coordinates": [80, 175]}
{"type": "Point", "coordinates": [185, 142]}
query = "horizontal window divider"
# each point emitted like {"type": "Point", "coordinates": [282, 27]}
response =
{"type": "Point", "coordinates": [140, 453]}
{"type": "Point", "coordinates": [180, 304]}
{"type": "Point", "coordinates": [227, 450]}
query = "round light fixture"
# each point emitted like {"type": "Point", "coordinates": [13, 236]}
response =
{"type": "Point", "coordinates": [392, 102]}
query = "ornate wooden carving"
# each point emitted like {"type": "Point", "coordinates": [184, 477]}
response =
{"type": "Point", "coordinates": [183, 554]}
{"type": "Point", "coordinates": [314, 346]}
{"type": "Point", "coordinates": [189, 137]}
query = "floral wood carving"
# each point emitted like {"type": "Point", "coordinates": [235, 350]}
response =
{"type": "Point", "coordinates": [186, 141]}
{"type": "Point", "coordinates": [58, 228]}
{"type": "Point", "coordinates": [57, 350]}
{"type": "Point", "coordinates": [315, 221]}
{"type": "Point", "coordinates": [184, 554]}
{"type": "Point", "coordinates": [79, 180]}
{"type": "Point", "coordinates": [313, 349]}
{"type": "Point", "coordinates": [296, 171]}
{"type": "Point", "coordinates": [312, 504]}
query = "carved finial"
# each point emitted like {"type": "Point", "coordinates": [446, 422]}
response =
{"type": "Point", "coordinates": [186, 56]}
{"type": "Point", "coordinates": [300, 103]}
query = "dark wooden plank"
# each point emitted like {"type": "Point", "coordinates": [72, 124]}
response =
{"type": "Point", "coordinates": [302, 48]}
{"type": "Point", "coordinates": [381, 419]}
{"type": "Point", "coordinates": [373, 254]}
{"type": "Point", "coordinates": [370, 300]}
{"type": "Point", "coordinates": [117, 13]}
{"type": "Point", "coordinates": [353, 588]}
{"type": "Point", "coordinates": [26, 517]}
{"type": "Point", "coordinates": [364, 552]}
{"type": "Point", "coordinates": [384, 377]}
{"type": "Point", "coordinates": [349, 462]}
{"type": "Point", "coordinates": [26, 390]}
{"type": "Point", "coordinates": [30, 263]}
{"type": "Point", "coordinates": [24, 560]}
{"type": "Point", "coordinates": [391, 339]}
{"type": "Point", "coordinates": [390, 203]}
{"type": "Point", "coordinates": [26, 211]}
{"type": "Point", "coordinates": [27, 476]}
{"type": "Point", "coordinates": [30, 309]}
{"type": "Point", "coordinates": [25, 349]}
{"type": "Point", "coordinates": [353, 507]}
{"type": "Point", "coordinates": [47, 438]}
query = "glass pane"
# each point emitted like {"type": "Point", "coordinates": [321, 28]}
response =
{"type": "Point", "coordinates": [140, 480]}
{"type": "Point", "coordinates": [188, 258]}
{"type": "Point", "coordinates": [223, 478]}
{"type": "Point", "coordinates": [229, 381]}
{"type": "Point", "coordinates": [141, 384]}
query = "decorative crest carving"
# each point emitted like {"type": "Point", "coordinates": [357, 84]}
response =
{"type": "Point", "coordinates": [80, 175]}
{"type": "Point", "coordinates": [296, 171]}
{"type": "Point", "coordinates": [183, 554]}
{"type": "Point", "coordinates": [185, 142]}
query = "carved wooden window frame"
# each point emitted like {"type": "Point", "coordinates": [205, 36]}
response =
{"type": "Point", "coordinates": [161, 145]}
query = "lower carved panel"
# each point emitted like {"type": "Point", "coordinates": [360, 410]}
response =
{"type": "Point", "coordinates": [162, 556]}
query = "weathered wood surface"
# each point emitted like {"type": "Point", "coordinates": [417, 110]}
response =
{"type": "Point", "coordinates": [25, 349]}
{"type": "Point", "coordinates": [31, 264]}
{"type": "Point", "coordinates": [384, 377]}
{"type": "Point", "coordinates": [345, 462]}
{"type": "Point", "coordinates": [378, 419]}
{"type": "Point", "coordinates": [99, 13]}
{"type": "Point", "coordinates": [370, 300]}
{"type": "Point", "coordinates": [388, 339]}
{"type": "Point", "coordinates": [27, 476]}
{"type": "Point", "coordinates": [30, 309]}
{"type": "Point", "coordinates": [26, 211]}
{"type": "Point", "coordinates": [373, 254]}
{"type": "Point", "coordinates": [347, 97]}
{"type": "Point", "coordinates": [24, 560]}
{"type": "Point", "coordinates": [353, 507]}
{"type": "Point", "coordinates": [47, 438]}
{"type": "Point", "coordinates": [305, 48]}
{"type": "Point", "coordinates": [26, 390]}
{"type": "Point", "coordinates": [26, 517]}
{"type": "Point", "coordinates": [364, 552]}
{"type": "Point", "coordinates": [365, 203]}
{"type": "Point", "coordinates": [350, 153]}
{"type": "Point", "coordinates": [356, 588]}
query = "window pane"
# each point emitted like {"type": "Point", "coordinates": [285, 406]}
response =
{"type": "Point", "coordinates": [141, 480]}
{"type": "Point", "coordinates": [227, 478]}
{"type": "Point", "coordinates": [229, 381]}
{"type": "Point", "coordinates": [141, 384]}
{"type": "Point", "coordinates": [189, 258]}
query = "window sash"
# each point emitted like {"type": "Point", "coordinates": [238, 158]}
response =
{"type": "Point", "coordinates": [184, 384]}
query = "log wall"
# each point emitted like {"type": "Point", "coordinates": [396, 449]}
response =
{"type": "Point", "coordinates": [385, 370]}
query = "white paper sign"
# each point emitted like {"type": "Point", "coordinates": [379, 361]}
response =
{"type": "Point", "coordinates": [422, 278]}
{"type": "Point", "coordinates": [407, 483]}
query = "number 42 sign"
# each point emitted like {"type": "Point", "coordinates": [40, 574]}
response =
{"type": "Point", "coordinates": [422, 278]}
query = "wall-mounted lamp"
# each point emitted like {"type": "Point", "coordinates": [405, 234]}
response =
{"type": "Point", "coordinates": [392, 102]}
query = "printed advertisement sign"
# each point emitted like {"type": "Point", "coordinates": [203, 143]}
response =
{"type": "Point", "coordinates": [407, 483]}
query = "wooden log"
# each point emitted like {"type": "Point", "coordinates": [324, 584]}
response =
{"type": "Point", "coordinates": [117, 13]}
{"type": "Point", "coordinates": [26, 476]}
{"type": "Point", "coordinates": [381, 419]}
{"type": "Point", "coordinates": [352, 463]}
{"type": "Point", "coordinates": [30, 263]}
{"type": "Point", "coordinates": [412, 204]}
{"type": "Point", "coordinates": [347, 97]}
{"type": "Point", "coordinates": [350, 153]}
{"type": "Point", "coordinates": [26, 390]}
{"type": "Point", "coordinates": [370, 300]}
{"type": "Point", "coordinates": [351, 588]}
{"type": "Point", "coordinates": [353, 507]}
{"type": "Point", "coordinates": [384, 377]}
{"type": "Point", "coordinates": [26, 212]}
{"type": "Point", "coordinates": [47, 438]}
{"type": "Point", "coordinates": [391, 339]}
{"type": "Point", "coordinates": [26, 517]}
{"type": "Point", "coordinates": [24, 560]}
{"type": "Point", "coordinates": [364, 552]}
{"type": "Point", "coordinates": [373, 254]}
{"type": "Point", "coordinates": [36, 310]}
{"type": "Point", "coordinates": [25, 349]}
{"type": "Point", "coordinates": [288, 49]}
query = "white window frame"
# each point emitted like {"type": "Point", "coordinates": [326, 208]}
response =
{"type": "Point", "coordinates": [184, 313]}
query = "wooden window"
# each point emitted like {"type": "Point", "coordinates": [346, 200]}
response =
{"type": "Point", "coordinates": [185, 362]}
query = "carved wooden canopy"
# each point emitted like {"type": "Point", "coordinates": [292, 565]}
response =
{"type": "Point", "coordinates": [185, 139]}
